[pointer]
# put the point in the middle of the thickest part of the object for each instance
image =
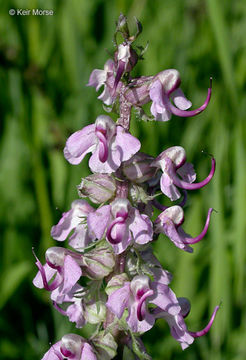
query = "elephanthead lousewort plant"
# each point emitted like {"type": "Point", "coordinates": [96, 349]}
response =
{"type": "Point", "coordinates": [108, 275]}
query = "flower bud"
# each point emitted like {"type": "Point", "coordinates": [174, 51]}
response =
{"type": "Point", "coordinates": [99, 188]}
{"type": "Point", "coordinates": [126, 55]}
{"type": "Point", "coordinates": [95, 313]}
{"type": "Point", "coordinates": [71, 345]}
{"type": "Point", "coordinates": [105, 345]}
{"type": "Point", "coordinates": [122, 26]}
{"type": "Point", "coordinates": [116, 282]}
{"type": "Point", "coordinates": [138, 195]}
{"type": "Point", "coordinates": [138, 168]}
{"type": "Point", "coordinates": [99, 262]}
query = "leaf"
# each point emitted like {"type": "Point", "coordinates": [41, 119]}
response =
{"type": "Point", "coordinates": [12, 279]}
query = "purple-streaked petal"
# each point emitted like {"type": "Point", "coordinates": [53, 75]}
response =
{"type": "Point", "coordinates": [98, 221]}
{"type": "Point", "coordinates": [180, 100]}
{"type": "Point", "coordinates": [164, 298]}
{"type": "Point", "coordinates": [79, 144]}
{"type": "Point", "coordinates": [119, 73]}
{"type": "Point", "coordinates": [136, 325]}
{"type": "Point", "coordinates": [53, 353]}
{"type": "Point", "coordinates": [141, 305]}
{"type": "Point", "coordinates": [106, 167]}
{"type": "Point", "coordinates": [116, 231]}
{"type": "Point", "coordinates": [49, 273]}
{"type": "Point", "coordinates": [123, 245]}
{"type": "Point", "coordinates": [87, 353]}
{"type": "Point", "coordinates": [119, 299]}
{"type": "Point", "coordinates": [141, 228]}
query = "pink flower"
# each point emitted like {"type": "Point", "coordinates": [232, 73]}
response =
{"type": "Point", "coordinates": [173, 163]}
{"type": "Point", "coordinates": [71, 346]}
{"type": "Point", "coordinates": [104, 77]}
{"type": "Point", "coordinates": [166, 85]}
{"type": "Point", "coordinates": [178, 327]}
{"type": "Point", "coordinates": [169, 223]}
{"type": "Point", "coordinates": [109, 144]}
{"type": "Point", "coordinates": [134, 296]}
{"type": "Point", "coordinates": [74, 220]}
{"type": "Point", "coordinates": [123, 224]}
{"type": "Point", "coordinates": [62, 268]}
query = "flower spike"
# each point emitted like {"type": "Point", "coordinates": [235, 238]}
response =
{"type": "Point", "coordinates": [207, 328]}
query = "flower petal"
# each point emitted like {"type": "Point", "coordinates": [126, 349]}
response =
{"type": "Point", "coordinates": [53, 353]}
{"type": "Point", "coordinates": [119, 299]}
{"type": "Point", "coordinates": [187, 173]}
{"type": "Point", "coordinates": [75, 314]}
{"type": "Point", "coordinates": [38, 280]}
{"type": "Point", "coordinates": [168, 188]}
{"type": "Point", "coordinates": [141, 228]}
{"type": "Point", "coordinates": [164, 298]}
{"type": "Point", "coordinates": [136, 325]}
{"type": "Point", "coordinates": [79, 144]}
{"type": "Point", "coordinates": [97, 221]}
{"type": "Point", "coordinates": [87, 353]}
{"type": "Point", "coordinates": [126, 144]}
{"type": "Point", "coordinates": [180, 100]}
{"type": "Point", "coordinates": [97, 78]}
{"type": "Point", "coordinates": [175, 236]}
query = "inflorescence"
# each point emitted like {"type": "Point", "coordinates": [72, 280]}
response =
{"type": "Point", "coordinates": [125, 289]}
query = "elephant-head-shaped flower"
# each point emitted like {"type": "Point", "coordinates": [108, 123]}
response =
{"type": "Point", "coordinates": [109, 144]}
{"type": "Point", "coordinates": [173, 165]}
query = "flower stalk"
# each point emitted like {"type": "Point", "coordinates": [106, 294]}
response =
{"type": "Point", "coordinates": [127, 289]}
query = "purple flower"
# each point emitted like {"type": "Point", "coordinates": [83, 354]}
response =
{"type": "Point", "coordinates": [104, 77]}
{"type": "Point", "coordinates": [62, 268]}
{"type": "Point", "coordinates": [169, 223]}
{"type": "Point", "coordinates": [173, 164]}
{"type": "Point", "coordinates": [123, 224]}
{"type": "Point", "coordinates": [134, 296]}
{"type": "Point", "coordinates": [74, 219]}
{"type": "Point", "coordinates": [166, 85]}
{"type": "Point", "coordinates": [178, 327]}
{"type": "Point", "coordinates": [71, 346]}
{"type": "Point", "coordinates": [109, 144]}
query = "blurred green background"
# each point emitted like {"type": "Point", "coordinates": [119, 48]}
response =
{"type": "Point", "coordinates": [45, 62]}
